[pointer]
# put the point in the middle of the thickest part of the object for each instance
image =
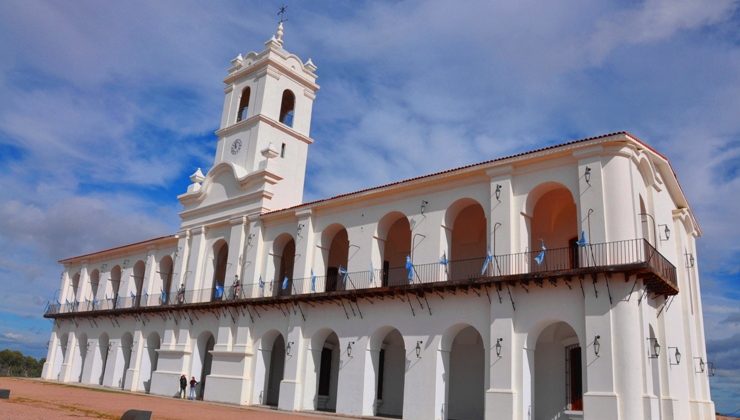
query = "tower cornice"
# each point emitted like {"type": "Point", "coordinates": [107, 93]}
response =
{"type": "Point", "coordinates": [253, 120]}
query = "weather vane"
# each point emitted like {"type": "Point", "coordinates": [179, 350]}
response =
{"type": "Point", "coordinates": [281, 13]}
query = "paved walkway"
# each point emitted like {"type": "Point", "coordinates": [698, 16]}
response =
{"type": "Point", "coordinates": [35, 399]}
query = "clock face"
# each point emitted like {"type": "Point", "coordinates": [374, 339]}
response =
{"type": "Point", "coordinates": [236, 146]}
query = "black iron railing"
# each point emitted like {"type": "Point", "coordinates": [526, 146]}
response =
{"type": "Point", "coordinates": [636, 254]}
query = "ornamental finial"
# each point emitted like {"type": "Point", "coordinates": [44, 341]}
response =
{"type": "Point", "coordinates": [279, 34]}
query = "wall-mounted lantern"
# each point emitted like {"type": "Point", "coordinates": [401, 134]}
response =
{"type": "Point", "coordinates": [666, 233]}
{"type": "Point", "coordinates": [349, 348]}
{"type": "Point", "coordinates": [424, 204]}
{"type": "Point", "coordinates": [587, 175]}
{"type": "Point", "coordinates": [418, 349]}
{"type": "Point", "coordinates": [701, 365]}
{"type": "Point", "coordinates": [498, 346]}
{"type": "Point", "coordinates": [300, 228]}
{"type": "Point", "coordinates": [597, 345]}
{"type": "Point", "coordinates": [690, 260]}
{"type": "Point", "coordinates": [498, 192]}
{"type": "Point", "coordinates": [289, 348]}
{"type": "Point", "coordinates": [654, 349]}
{"type": "Point", "coordinates": [676, 360]}
{"type": "Point", "coordinates": [711, 368]}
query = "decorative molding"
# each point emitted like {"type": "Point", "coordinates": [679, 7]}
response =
{"type": "Point", "coordinates": [253, 120]}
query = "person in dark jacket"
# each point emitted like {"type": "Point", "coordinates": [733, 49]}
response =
{"type": "Point", "coordinates": [193, 385]}
{"type": "Point", "coordinates": [183, 386]}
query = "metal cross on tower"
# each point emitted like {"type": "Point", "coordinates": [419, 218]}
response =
{"type": "Point", "coordinates": [281, 12]}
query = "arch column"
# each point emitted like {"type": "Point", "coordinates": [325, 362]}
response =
{"type": "Point", "coordinates": [237, 236]}
{"type": "Point", "coordinates": [229, 379]}
{"type": "Point", "coordinates": [90, 362]}
{"type": "Point", "coordinates": [599, 398]}
{"type": "Point", "coordinates": [305, 246]}
{"type": "Point", "coordinates": [171, 360]}
{"type": "Point", "coordinates": [115, 359]}
{"type": "Point", "coordinates": [65, 292]}
{"type": "Point", "coordinates": [441, 383]}
{"type": "Point", "coordinates": [194, 277]}
{"type": "Point", "coordinates": [418, 374]}
{"type": "Point", "coordinates": [501, 211]}
{"type": "Point", "coordinates": [51, 365]}
{"type": "Point", "coordinates": [180, 263]}
{"type": "Point", "coordinates": [291, 387]}
{"type": "Point", "coordinates": [501, 395]}
{"type": "Point", "coordinates": [310, 393]}
{"type": "Point", "coordinates": [132, 373]}
{"type": "Point", "coordinates": [150, 270]}
{"type": "Point", "coordinates": [253, 257]}
{"type": "Point", "coordinates": [68, 365]}
{"type": "Point", "coordinates": [591, 196]}
{"type": "Point", "coordinates": [96, 365]}
{"type": "Point", "coordinates": [357, 380]}
{"type": "Point", "coordinates": [84, 288]}
{"type": "Point", "coordinates": [626, 349]}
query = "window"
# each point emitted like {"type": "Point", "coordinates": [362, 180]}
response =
{"type": "Point", "coordinates": [282, 151]}
{"type": "Point", "coordinates": [243, 105]}
{"type": "Point", "coordinates": [287, 106]}
{"type": "Point", "coordinates": [381, 368]}
{"type": "Point", "coordinates": [573, 378]}
{"type": "Point", "coordinates": [325, 372]}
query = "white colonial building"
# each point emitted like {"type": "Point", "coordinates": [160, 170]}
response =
{"type": "Point", "coordinates": [557, 283]}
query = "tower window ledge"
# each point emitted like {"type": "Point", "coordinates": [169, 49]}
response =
{"type": "Point", "coordinates": [254, 119]}
{"type": "Point", "coordinates": [237, 126]}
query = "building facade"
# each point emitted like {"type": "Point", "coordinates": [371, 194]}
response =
{"type": "Point", "coordinates": [557, 283]}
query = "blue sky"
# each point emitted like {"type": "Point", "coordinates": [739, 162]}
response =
{"type": "Point", "coordinates": [107, 107]}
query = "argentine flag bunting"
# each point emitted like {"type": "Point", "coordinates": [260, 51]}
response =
{"type": "Point", "coordinates": [486, 262]}
{"type": "Point", "coordinates": [313, 281]}
{"type": "Point", "coordinates": [285, 283]}
{"type": "Point", "coordinates": [343, 272]}
{"type": "Point", "coordinates": [582, 241]}
{"type": "Point", "coordinates": [409, 269]}
{"type": "Point", "coordinates": [261, 283]}
{"type": "Point", "coordinates": [443, 260]}
{"type": "Point", "coordinates": [541, 256]}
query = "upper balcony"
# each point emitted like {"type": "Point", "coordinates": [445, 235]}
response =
{"type": "Point", "coordinates": [628, 257]}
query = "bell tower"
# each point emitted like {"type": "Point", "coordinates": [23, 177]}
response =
{"type": "Point", "coordinates": [264, 132]}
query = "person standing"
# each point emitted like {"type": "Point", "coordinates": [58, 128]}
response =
{"type": "Point", "coordinates": [183, 386]}
{"type": "Point", "coordinates": [193, 385]}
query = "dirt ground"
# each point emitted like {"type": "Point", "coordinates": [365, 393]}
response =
{"type": "Point", "coordinates": [32, 399]}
